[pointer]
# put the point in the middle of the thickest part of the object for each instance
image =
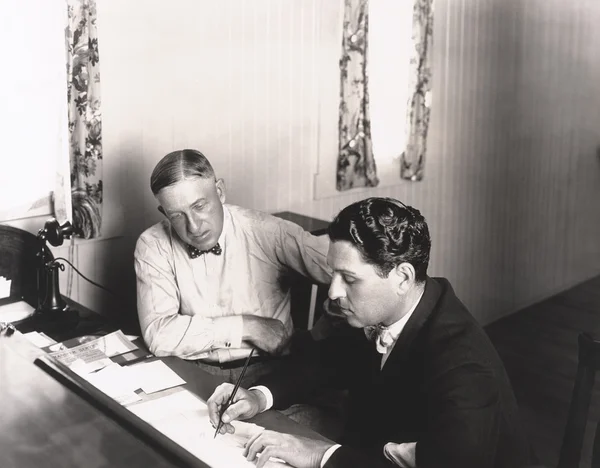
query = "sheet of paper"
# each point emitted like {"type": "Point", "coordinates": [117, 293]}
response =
{"type": "Point", "coordinates": [184, 419]}
{"type": "Point", "coordinates": [154, 376]}
{"type": "Point", "coordinates": [116, 343]}
{"type": "Point", "coordinates": [41, 340]}
{"type": "Point", "coordinates": [4, 288]}
{"type": "Point", "coordinates": [15, 311]}
{"type": "Point", "coordinates": [116, 382]}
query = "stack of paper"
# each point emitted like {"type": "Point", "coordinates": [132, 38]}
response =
{"type": "Point", "coordinates": [122, 382]}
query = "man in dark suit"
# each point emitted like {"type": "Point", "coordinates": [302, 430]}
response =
{"type": "Point", "coordinates": [430, 391]}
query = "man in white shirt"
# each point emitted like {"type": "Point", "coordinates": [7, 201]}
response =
{"type": "Point", "coordinates": [427, 388]}
{"type": "Point", "coordinates": [211, 277]}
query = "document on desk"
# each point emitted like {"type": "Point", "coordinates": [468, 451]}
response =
{"type": "Point", "coordinates": [183, 418]}
{"type": "Point", "coordinates": [117, 382]}
{"type": "Point", "coordinates": [94, 354]}
{"type": "Point", "coordinates": [41, 340]}
{"type": "Point", "coordinates": [83, 359]}
{"type": "Point", "coordinates": [154, 376]}
{"type": "Point", "coordinates": [113, 344]}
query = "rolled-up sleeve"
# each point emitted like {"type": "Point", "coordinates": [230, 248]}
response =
{"type": "Point", "coordinates": [165, 330]}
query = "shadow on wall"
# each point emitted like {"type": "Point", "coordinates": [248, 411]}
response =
{"type": "Point", "coordinates": [127, 205]}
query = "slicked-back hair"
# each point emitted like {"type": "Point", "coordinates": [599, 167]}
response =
{"type": "Point", "coordinates": [386, 233]}
{"type": "Point", "coordinates": [180, 165]}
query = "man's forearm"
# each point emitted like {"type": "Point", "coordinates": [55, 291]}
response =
{"type": "Point", "coordinates": [192, 337]}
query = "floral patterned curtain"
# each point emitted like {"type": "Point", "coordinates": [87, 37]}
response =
{"type": "Point", "coordinates": [356, 164]}
{"type": "Point", "coordinates": [412, 163]}
{"type": "Point", "coordinates": [85, 124]}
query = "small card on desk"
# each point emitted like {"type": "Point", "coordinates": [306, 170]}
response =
{"type": "Point", "coordinates": [155, 376]}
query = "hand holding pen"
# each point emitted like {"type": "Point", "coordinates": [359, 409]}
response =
{"type": "Point", "coordinates": [226, 395]}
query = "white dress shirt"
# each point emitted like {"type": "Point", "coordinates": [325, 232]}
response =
{"type": "Point", "coordinates": [193, 307]}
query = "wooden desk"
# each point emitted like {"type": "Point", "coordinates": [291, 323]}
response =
{"type": "Point", "coordinates": [45, 423]}
{"type": "Point", "coordinates": [87, 322]}
{"type": "Point", "coordinates": [203, 384]}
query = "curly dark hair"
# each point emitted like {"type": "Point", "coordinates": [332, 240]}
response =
{"type": "Point", "coordinates": [180, 165]}
{"type": "Point", "coordinates": [386, 232]}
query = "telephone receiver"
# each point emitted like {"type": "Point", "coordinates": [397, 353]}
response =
{"type": "Point", "coordinates": [50, 304]}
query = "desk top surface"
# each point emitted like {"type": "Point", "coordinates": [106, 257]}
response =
{"type": "Point", "coordinates": [44, 423]}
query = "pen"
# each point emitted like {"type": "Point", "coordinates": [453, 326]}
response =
{"type": "Point", "coordinates": [235, 389]}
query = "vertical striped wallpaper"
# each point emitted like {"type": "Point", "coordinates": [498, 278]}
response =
{"type": "Point", "coordinates": [512, 180]}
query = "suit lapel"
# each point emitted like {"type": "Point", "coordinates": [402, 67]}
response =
{"type": "Point", "coordinates": [418, 319]}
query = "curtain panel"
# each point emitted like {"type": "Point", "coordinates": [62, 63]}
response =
{"type": "Point", "coordinates": [412, 160]}
{"type": "Point", "coordinates": [85, 123]}
{"type": "Point", "coordinates": [356, 164]}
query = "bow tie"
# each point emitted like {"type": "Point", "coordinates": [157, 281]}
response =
{"type": "Point", "coordinates": [382, 337]}
{"type": "Point", "coordinates": [194, 252]}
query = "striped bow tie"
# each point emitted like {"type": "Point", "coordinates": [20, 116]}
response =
{"type": "Point", "coordinates": [382, 337]}
{"type": "Point", "coordinates": [194, 252]}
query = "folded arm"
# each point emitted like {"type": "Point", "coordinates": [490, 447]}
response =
{"type": "Point", "coordinates": [165, 330]}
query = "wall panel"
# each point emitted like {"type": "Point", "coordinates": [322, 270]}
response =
{"type": "Point", "coordinates": [512, 179]}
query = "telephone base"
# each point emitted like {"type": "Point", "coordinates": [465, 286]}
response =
{"type": "Point", "coordinates": [55, 322]}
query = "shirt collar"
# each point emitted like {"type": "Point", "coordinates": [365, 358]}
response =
{"type": "Point", "coordinates": [226, 225]}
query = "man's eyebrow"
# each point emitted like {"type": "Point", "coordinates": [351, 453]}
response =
{"type": "Point", "coordinates": [344, 271]}
{"type": "Point", "coordinates": [181, 211]}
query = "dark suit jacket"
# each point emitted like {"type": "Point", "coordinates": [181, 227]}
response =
{"type": "Point", "coordinates": [443, 386]}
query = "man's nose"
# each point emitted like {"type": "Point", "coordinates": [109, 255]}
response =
{"type": "Point", "coordinates": [193, 224]}
{"type": "Point", "coordinates": [336, 290]}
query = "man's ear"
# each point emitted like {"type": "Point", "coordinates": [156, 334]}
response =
{"type": "Point", "coordinates": [406, 275]}
{"type": "Point", "coordinates": [221, 190]}
{"type": "Point", "coordinates": [160, 208]}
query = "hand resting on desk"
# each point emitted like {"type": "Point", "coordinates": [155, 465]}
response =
{"type": "Point", "coordinates": [298, 451]}
{"type": "Point", "coordinates": [267, 334]}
